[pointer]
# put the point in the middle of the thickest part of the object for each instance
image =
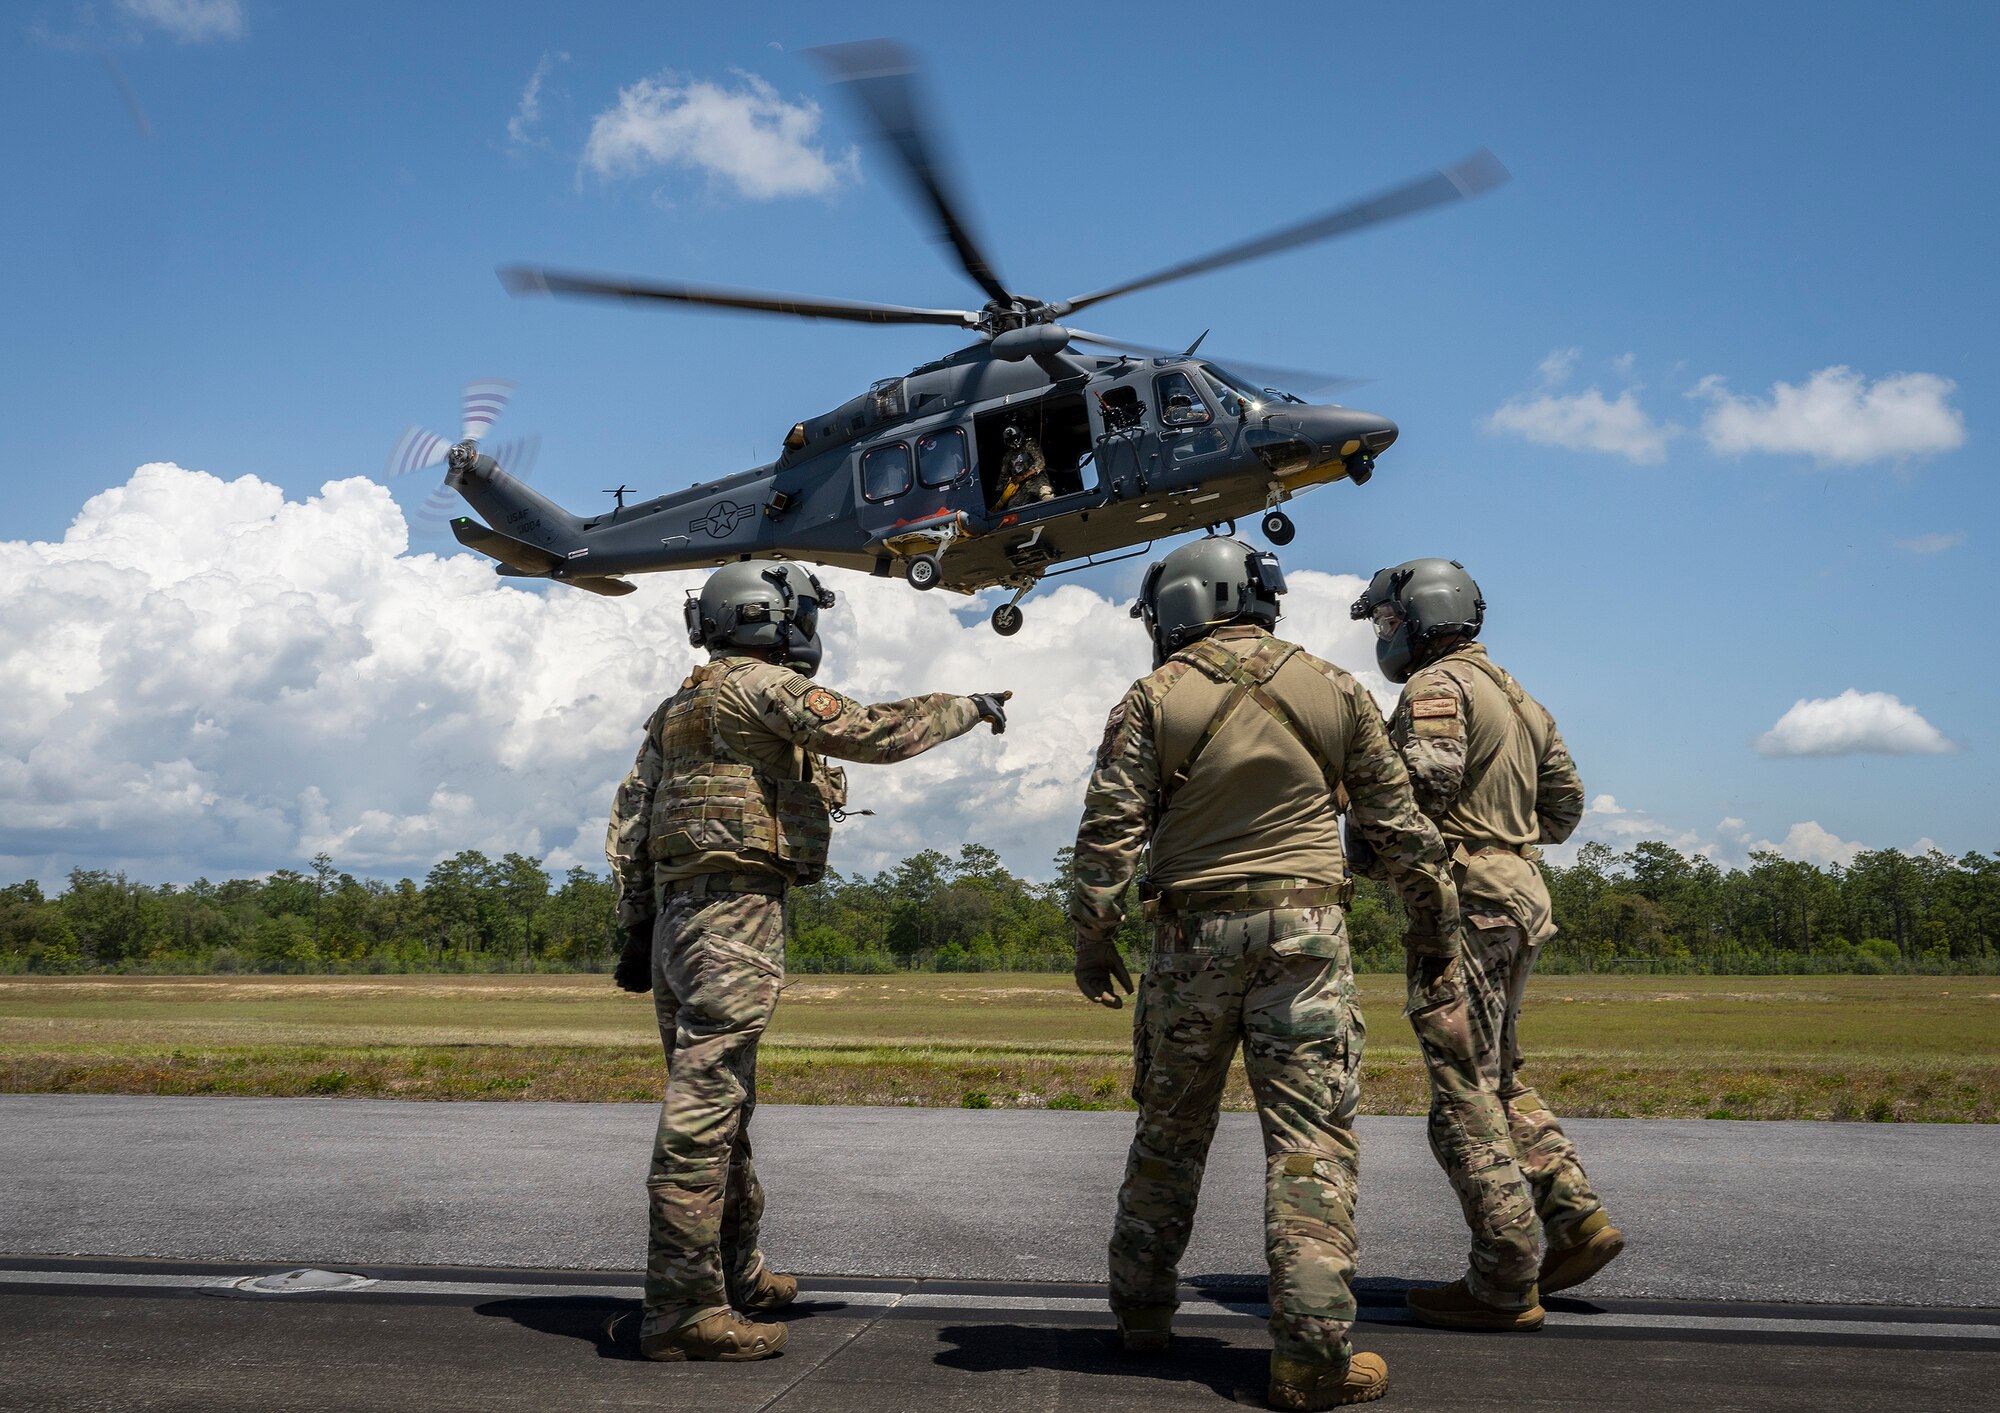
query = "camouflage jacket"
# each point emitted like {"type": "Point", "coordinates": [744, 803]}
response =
{"type": "Point", "coordinates": [1490, 769]}
{"type": "Point", "coordinates": [783, 725]}
{"type": "Point", "coordinates": [1265, 805]}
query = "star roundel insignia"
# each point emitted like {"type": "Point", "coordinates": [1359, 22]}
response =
{"type": "Point", "coordinates": [822, 704]}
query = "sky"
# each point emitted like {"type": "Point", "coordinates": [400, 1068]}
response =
{"type": "Point", "coordinates": [1703, 397]}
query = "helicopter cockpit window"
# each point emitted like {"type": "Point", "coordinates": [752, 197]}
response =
{"type": "Point", "coordinates": [885, 471]}
{"type": "Point", "coordinates": [1180, 404]}
{"type": "Point", "coordinates": [1247, 388]}
{"type": "Point", "coordinates": [941, 457]}
{"type": "Point", "coordinates": [889, 403]}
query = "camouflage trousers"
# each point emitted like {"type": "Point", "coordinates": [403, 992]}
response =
{"type": "Point", "coordinates": [718, 965]}
{"type": "Point", "coordinates": [1516, 1173]}
{"type": "Point", "coordinates": [1280, 983]}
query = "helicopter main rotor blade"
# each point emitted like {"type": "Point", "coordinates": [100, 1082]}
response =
{"type": "Point", "coordinates": [881, 75]}
{"type": "Point", "coordinates": [1480, 172]}
{"type": "Point", "coordinates": [522, 279]}
{"type": "Point", "coordinates": [1264, 375]}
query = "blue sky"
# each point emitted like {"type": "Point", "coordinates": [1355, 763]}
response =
{"type": "Point", "coordinates": [1709, 201]}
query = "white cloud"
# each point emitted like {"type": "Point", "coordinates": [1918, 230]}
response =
{"type": "Point", "coordinates": [203, 677]}
{"type": "Point", "coordinates": [189, 21]}
{"type": "Point", "coordinates": [1936, 543]}
{"type": "Point", "coordinates": [1554, 370]}
{"type": "Point", "coordinates": [746, 136]}
{"type": "Point", "coordinates": [1853, 723]}
{"type": "Point", "coordinates": [1809, 843]}
{"type": "Point", "coordinates": [528, 112]}
{"type": "Point", "coordinates": [1729, 845]}
{"type": "Point", "coordinates": [1585, 421]}
{"type": "Point", "coordinates": [1837, 415]}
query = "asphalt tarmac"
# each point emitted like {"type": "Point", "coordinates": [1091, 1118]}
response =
{"type": "Point", "coordinates": [952, 1258]}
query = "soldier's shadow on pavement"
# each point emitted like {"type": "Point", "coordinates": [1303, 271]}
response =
{"type": "Point", "coordinates": [1231, 1371]}
{"type": "Point", "coordinates": [606, 1322]}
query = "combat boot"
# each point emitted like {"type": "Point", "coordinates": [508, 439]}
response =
{"type": "Point", "coordinates": [1596, 1246]}
{"type": "Point", "coordinates": [1301, 1384]}
{"type": "Point", "coordinates": [1453, 1307]}
{"type": "Point", "coordinates": [726, 1336]}
{"type": "Point", "coordinates": [1146, 1329]}
{"type": "Point", "coordinates": [771, 1292]}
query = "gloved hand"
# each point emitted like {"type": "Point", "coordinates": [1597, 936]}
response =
{"type": "Point", "coordinates": [991, 708]}
{"type": "Point", "coordinates": [634, 971]}
{"type": "Point", "coordinates": [1097, 963]}
{"type": "Point", "coordinates": [1361, 854]}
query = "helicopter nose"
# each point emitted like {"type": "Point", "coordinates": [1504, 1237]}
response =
{"type": "Point", "coordinates": [1349, 432]}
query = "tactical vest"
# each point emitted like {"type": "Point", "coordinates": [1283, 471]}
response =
{"type": "Point", "coordinates": [714, 800]}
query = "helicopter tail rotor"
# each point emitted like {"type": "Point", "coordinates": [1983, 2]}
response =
{"type": "Point", "coordinates": [420, 449]}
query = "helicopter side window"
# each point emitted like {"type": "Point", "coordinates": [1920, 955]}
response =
{"type": "Point", "coordinates": [885, 471]}
{"type": "Point", "coordinates": [941, 457]}
{"type": "Point", "coordinates": [1180, 404]}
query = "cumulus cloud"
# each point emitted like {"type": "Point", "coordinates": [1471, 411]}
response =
{"type": "Point", "coordinates": [1853, 723]}
{"type": "Point", "coordinates": [1836, 415]}
{"type": "Point", "coordinates": [1730, 844]}
{"type": "Point", "coordinates": [204, 677]}
{"type": "Point", "coordinates": [1936, 543]}
{"type": "Point", "coordinates": [1583, 421]}
{"type": "Point", "coordinates": [528, 112]}
{"type": "Point", "coordinates": [746, 136]}
{"type": "Point", "coordinates": [189, 21]}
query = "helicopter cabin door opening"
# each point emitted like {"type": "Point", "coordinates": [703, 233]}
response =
{"type": "Point", "coordinates": [1033, 452]}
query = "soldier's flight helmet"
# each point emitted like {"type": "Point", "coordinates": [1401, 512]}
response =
{"type": "Point", "coordinates": [757, 605]}
{"type": "Point", "coordinates": [1416, 604]}
{"type": "Point", "coordinates": [1201, 586]}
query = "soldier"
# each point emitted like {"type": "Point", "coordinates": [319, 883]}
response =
{"type": "Point", "coordinates": [1224, 763]}
{"type": "Point", "coordinates": [1490, 770]}
{"type": "Point", "coordinates": [729, 804]}
{"type": "Point", "coordinates": [1024, 473]}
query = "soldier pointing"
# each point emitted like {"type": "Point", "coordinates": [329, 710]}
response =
{"type": "Point", "coordinates": [1224, 762]}
{"type": "Point", "coordinates": [729, 804]}
{"type": "Point", "coordinates": [1491, 771]}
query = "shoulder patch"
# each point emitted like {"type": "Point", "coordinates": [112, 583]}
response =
{"type": "Point", "coordinates": [1434, 706]}
{"type": "Point", "coordinates": [822, 704]}
{"type": "Point", "coordinates": [1111, 725]}
{"type": "Point", "coordinates": [797, 686]}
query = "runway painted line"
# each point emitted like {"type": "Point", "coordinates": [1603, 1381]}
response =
{"type": "Point", "coordinates": [1202, 1305]}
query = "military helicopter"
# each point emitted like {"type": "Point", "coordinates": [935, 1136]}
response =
{"type": "Point", "coordinates": [1009, 460]}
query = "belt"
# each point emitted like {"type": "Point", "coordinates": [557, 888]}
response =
{"type": "Point", "coordinates": [704, 885]}
{"type": "Point", "coordinates": [1480, 846]}
{"type": "Point", "coordinates": [1246, 897]}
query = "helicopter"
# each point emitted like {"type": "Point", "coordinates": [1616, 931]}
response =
{"type": "Point", "coordinates": [1017, 457]}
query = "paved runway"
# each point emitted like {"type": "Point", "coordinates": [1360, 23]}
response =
{"type": "Point", "coordinates": [953, 1258]}
{"type": "Point", "coordinates": [1844, 1213]}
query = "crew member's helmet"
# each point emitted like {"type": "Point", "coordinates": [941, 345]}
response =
{"type": "Point", "coordinates": [1201, 586]}
{"type": "Point", "coordinates": [758, 605]}
{"type": "Point", "coordinates": [1415, 605]}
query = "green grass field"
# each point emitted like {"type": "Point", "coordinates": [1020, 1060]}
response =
{"type": "Point", "coordinates": [1882, 1048]}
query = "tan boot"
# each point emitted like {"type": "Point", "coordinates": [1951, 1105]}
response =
{"type": "Point", "coordinates": [1596, 1245]}
{"type": "Point", "coordinates": [1298, 1384]}
{"type": "Point", "coordinates": [771, 1292]}
{"type": "Point", "coordinates": [1453, 1307]}
{"type": "Point", "coordinates": [1146, 1329]}
{"type": "Point", "coordinates": [722, 1336]}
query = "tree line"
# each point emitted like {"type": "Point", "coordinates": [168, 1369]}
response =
{"type": "Point", "coordinates": [1651, 908]}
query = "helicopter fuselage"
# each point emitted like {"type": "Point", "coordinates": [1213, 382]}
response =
{"type": "Point", "coordinates": [930, 465]}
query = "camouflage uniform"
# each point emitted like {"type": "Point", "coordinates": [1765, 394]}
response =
{"type": "Point", "coordinates": [1490, 769]}
{"type": "Point", "coordinates": [1222, 762]}
{"type": "Point", "coordinates": [728, 804]}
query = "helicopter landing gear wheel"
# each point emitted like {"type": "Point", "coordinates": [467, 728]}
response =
{"type": "Point", "coordinates": [1007, 620]}
{"type": "Point", "coordinates": [925, 571]}
{"type": "Point", "coordinates": [1278, 527]}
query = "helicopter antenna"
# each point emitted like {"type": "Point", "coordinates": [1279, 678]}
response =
{"type": "Point", "coordinates": [1195, 345]}
{"type": "Point", "coordinates": [620, 493]}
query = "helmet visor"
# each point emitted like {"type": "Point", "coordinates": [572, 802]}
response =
{"type": "Point", "coordinates": [805, 615]}
{"type": "Point", "coordinates": [1388, 619]}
